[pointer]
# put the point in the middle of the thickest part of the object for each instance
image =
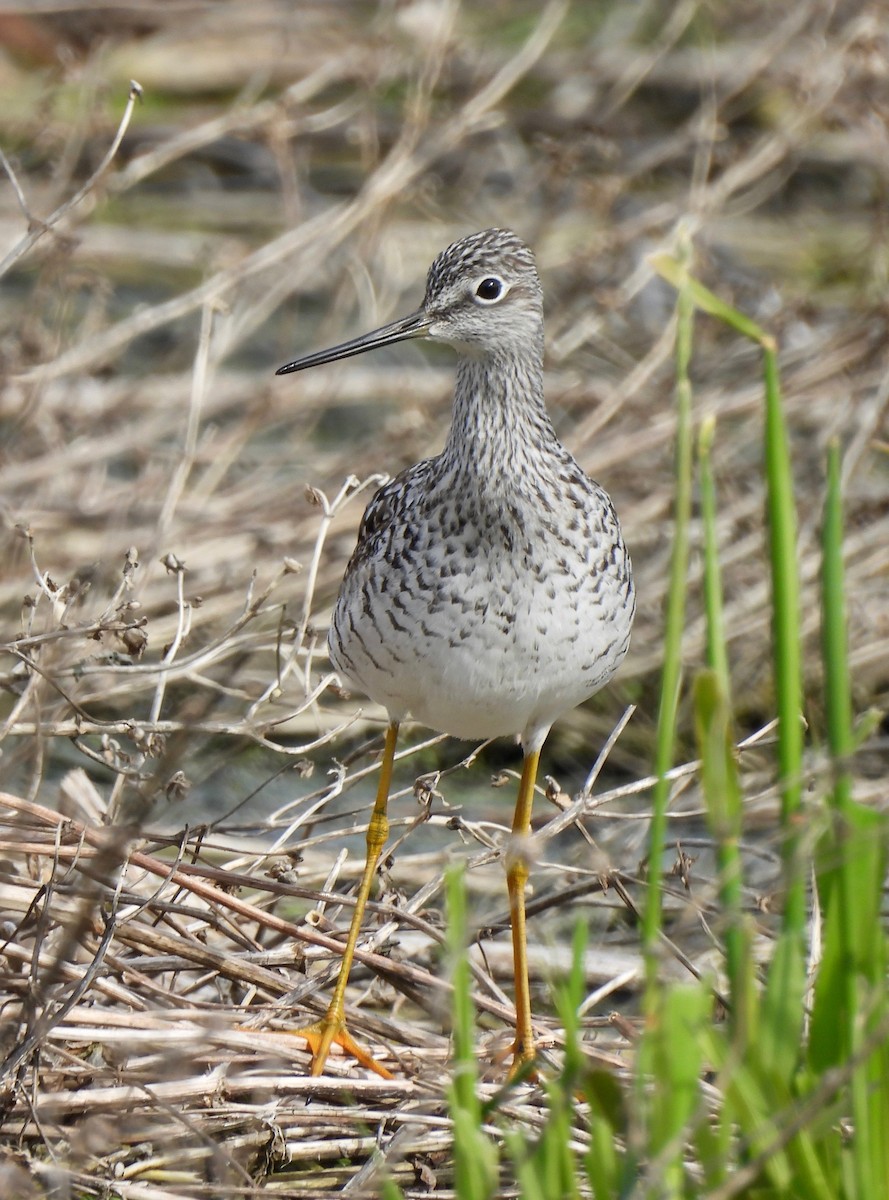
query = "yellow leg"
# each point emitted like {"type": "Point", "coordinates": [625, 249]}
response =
{"type": "Point", "coordinates": [332, 1028]}
{"type": "Point", "coordinates": [516, 878]}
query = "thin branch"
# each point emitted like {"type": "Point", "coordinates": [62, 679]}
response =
{"type": "Point", "coordinates": [38, 229]}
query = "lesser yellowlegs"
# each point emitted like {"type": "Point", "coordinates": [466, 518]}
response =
{"type": "Point", "coordinates": [490, 590]}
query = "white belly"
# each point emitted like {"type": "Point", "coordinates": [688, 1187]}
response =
{"type": "Point", "coordinates": [493, 650]}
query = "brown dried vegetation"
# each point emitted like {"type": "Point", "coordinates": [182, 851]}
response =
{"type": "Point", "coordinates": [180, 769]}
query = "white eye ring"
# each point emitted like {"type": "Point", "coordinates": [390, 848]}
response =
{"type": "Point", "coordinates": [490, 289]}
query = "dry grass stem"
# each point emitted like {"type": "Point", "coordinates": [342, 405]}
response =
{"type": "Point", "coordinates": [185, 784]}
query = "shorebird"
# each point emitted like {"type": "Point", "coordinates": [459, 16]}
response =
{"type": "Point", "coordinates": [490, 590]}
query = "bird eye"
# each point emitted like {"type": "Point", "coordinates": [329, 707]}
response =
{"type": "Point", "coordinates": [490, 290]}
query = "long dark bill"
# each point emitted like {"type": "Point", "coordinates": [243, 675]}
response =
{"type": "Point", "coordinates": [414, 326]}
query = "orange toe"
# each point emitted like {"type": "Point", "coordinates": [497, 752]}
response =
{"type": "Point", "coordinates": [323, 1034]}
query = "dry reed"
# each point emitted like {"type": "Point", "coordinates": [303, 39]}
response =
{"type": "Point", "coordinates": [177, 522]}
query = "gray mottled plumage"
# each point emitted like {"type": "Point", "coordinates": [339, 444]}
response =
{"type": "Point", "coordinates": [490, 589]}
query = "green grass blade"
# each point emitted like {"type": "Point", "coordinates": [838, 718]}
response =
{"type": "Point", "coordinates": [837, 689]}
{"type": "Point", "coordinates": [547, 1169]}
{"type": "Point", "coordinates": [717, 655]}
{"type": "Point", "coordinates": [475, 1154]}
{"type": "Point", "coordinates": [851, 990]}
{"type": "Point", "coordinates": [782, 544]}
{"type": "Point", "coordinates": [782, 1008]}
{"type": "Point", "coordinates": [675, 622]}
{"type": "Point", "coordinates": [609, 1170]}
{"type": "Point", "coordinates": [789, 1158]}
{"type": "Point", "coordinates": [784, 1001]}
{"type": "Point", "coordinates": [781, 508]}
{"type": "Point", "coordinates": [671, 680]}
{"type": "Point", "coordinates": [672, 1055]}
{"type": "Point", "coordinates": [719, 773]}
{"type": "Point", "coordinates": [722, 793]}
{"type": "Point", "coordinates": [569, 995]}
{"type": "Point", "coordinates": [675, 271]}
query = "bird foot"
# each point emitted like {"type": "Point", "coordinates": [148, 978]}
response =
{"type": "Point", "coordinates": [524, 1063]}
{"type": "Point", "coordinates": [323, 1034]}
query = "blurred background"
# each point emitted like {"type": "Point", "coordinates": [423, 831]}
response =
{"type": "Point", "coordinates": [287, 176]}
